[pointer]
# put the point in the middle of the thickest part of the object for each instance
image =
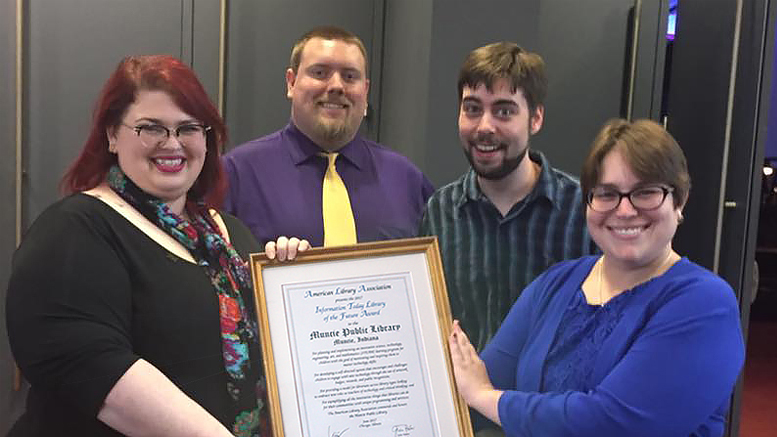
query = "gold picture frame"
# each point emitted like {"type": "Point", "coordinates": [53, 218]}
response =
{"type": "Point", "coordinates": [355, 342]}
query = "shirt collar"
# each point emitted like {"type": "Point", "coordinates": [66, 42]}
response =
{"type": "Point", "coordinates": [301, 148]}
{"type": "Point", "coordinates": [546, 185]}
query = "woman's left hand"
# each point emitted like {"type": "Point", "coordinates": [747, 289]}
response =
{"type": "Point", "coordinates": [471, 375]}
{"type": "Point", "coordinates": [285, 248]}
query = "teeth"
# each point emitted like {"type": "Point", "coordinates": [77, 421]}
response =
{"type": "Point", "coordinates": [332, 105]}
{"type": "Point", "coordinates": [485, 148]}
{"type": "Point", "coordinates": [169, 162]}
{"type": "Point", "coordinates": [628, 231]}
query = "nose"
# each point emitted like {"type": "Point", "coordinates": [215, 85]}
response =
{"type": "Point", "coordinates": [336, 83]}
{"type": "Point", "coordinates": [625, 208]}
{"type": "Point", "coordinates": [486, 124]}
{"type": "Point", "coordinates": [171, 142]}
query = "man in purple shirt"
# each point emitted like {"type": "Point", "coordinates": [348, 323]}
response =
{"type": "Point", "coordinates": [276, 181]}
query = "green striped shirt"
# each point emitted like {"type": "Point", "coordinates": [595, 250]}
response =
{"type": "Point", "coordinates": [489, 259]}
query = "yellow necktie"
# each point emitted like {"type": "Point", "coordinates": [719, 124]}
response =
{"type": "Point", "coordinates": [339, 227]}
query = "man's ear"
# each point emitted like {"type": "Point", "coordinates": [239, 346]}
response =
{"type": "Point", "coordinates": [535, 123]}
{"type": "Point", "coordinates": [366, 95]}
{"type": "Point", "coordinates": [290, 78]}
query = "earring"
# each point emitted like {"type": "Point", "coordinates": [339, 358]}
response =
{"type": "Point", "coordinates": [680, 217]}
{"type": "Point", "coordinates": [112, 147]}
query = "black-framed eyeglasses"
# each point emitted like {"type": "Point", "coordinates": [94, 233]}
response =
{"type": "Point", "coordinates": [648, 198]}
{"type": "Point", "coordinates": [152, 134]}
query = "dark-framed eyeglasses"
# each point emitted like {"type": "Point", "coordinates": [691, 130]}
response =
{"type": "Point", "coordinates": [648, 198]}
{"type": "Point", "coordinates": [152, 134]}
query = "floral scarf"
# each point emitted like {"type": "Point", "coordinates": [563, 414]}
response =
{"type": "Point", "coordinates": [230, 278]}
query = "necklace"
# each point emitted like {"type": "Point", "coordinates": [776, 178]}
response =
{"type": "Point", "coordinates": [651, 276]}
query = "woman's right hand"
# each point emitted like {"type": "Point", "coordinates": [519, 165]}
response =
{"type": "Point", "coordinates": [471, 375]}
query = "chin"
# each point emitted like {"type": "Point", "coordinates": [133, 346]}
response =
{"type": "Point", "coordinates": [168, 194]}
{"type": "Point", "coordinates": [631, 259]}
{"type": "Point", "coordinates": [623, 254]}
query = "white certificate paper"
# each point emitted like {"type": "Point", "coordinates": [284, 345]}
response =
{"type": "Point", "coordinates": [351, 336]}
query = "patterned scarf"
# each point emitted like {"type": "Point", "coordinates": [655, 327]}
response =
{"type": "Point", "coordinates": [230, 278]}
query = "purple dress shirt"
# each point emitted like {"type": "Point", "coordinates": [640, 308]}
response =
{"type": "Point", "coordinates": [275, 188]}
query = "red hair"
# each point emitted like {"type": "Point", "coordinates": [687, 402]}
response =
{"type": "Point", "coordinates": [150, 73]}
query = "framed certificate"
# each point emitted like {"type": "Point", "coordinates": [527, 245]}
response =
{"type": "Point", "coordinates": [355, 342]}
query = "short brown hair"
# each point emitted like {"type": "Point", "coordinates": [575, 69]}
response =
{"type": "Point", "coordinates": [506, 60]}
{"type": "Point", "coordinates": [650, 151]}
{"type": "Point", "coordinates": [328, 33]}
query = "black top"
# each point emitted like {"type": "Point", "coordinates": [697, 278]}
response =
{"type": "Point", "coordinates": [89, 294]}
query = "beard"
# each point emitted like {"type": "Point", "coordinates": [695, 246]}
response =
{"type": "Point", "coordinates": [338, 132]}
{"type": "Point", "coordinates": [333, 131]}
{"type": "Point", "coordinates": [507, 166]}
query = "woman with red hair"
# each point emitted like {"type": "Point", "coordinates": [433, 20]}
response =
{"type": "Point", "coordinates": [143, 322]}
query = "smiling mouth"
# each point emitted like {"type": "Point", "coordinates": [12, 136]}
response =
{"type": "Point", "coordinates": [169, 165]}
{"type": "Point", "coordinates": [486, 147]}
{"type": "Point", "coordinates": [332, 105]}
{"type": "Point", "coordinates": [629, 231]}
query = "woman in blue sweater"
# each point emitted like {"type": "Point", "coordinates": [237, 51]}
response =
{"type": "Point", "coordinates": [636, 342]}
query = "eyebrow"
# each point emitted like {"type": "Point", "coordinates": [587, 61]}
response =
{"type": "Point", "coordinates": [334, 66]}
{"type": "Point", "coordinates": [636, 186]}
{"type": "Point", "coordinates": [499, 102]}
{"type": "Point", "coordinates": [158, 121]}
{"type": "Point", "coordinates": [505, 102]}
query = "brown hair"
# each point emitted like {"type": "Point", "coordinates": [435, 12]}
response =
{"type": "Point", "coordinates": [524, 70]}
{"type": "Point", "coordinates": [650, 151]}
{"type": "Point", "coordinates": [327, 33]}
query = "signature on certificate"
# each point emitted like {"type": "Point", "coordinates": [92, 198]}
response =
{"type": "Point", "coordinates": [402, 430]}
{"type": "Point", "coordinates": [329, 433]}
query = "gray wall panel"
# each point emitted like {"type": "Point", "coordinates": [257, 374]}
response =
{"type": "Point", "coordinates": [11, 403]}
{"type": "Point", "coordinates": [205, 44]}
{"type": "Point", "coordinates": [750, 117]}
{"type": "Point", "coordinates": [261, 35]}
{"type": "Point", "coordinates": [70, 57]}
{"type": "Point", "coordinates": [700, 76]}
{"type": "Point", "coordinates": [651, 57]}
{"type": "Point", "coordinates": [586, 59]}
{"type": "Point", "coordinates": [405, 102]}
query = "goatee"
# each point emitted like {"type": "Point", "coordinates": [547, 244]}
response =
{"type": "Point", "coordinates": [333, 132]}
{"type": "Point", "coordinates": [508, 165]}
